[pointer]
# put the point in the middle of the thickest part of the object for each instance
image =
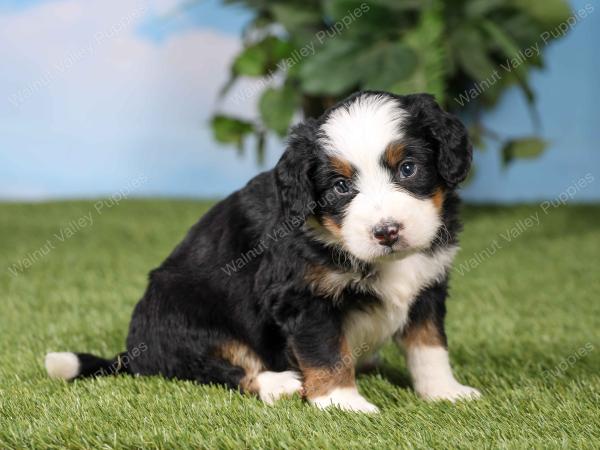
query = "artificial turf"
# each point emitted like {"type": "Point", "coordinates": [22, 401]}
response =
{"type": "Point", "coordinates": [523, 325]}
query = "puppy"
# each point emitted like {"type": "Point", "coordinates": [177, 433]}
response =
{"type": "Point", "coordinates": [291, 283]}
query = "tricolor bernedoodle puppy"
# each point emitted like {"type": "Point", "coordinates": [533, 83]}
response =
{"type": "Point", "coordinates": [294, 282]}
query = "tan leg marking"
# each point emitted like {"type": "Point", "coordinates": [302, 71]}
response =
{"type": "Point", "coordinates": [239, 354]}
{"type": "Point", "coordinates": [429, 364]}
{"type": "Point", "coordinates": [425, 333]}
{"type": "Point", "coordinates": [335, 386]}
{"type": "Point", "coordinates": [321, 381]}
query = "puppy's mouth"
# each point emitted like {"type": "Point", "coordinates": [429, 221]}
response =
{"type": "Point", "coordinates": [389, 236]}
{"type": "Point", "coordinates": [398, 250]}
{"type": "Point", "coordinates": [400, 244]}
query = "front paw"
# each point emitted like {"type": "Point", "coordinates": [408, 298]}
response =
{"type": "Point", "coordinates": [347, 399]}
{"type": "Point", "coordinates": [451, 391]}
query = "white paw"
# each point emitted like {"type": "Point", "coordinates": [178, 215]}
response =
{"type": "Point", "coordinates": [274, 385]}
{"type": "Point", "coordinates": [347, 399]}
{"type": "Point", "coordinates": [452, 392]}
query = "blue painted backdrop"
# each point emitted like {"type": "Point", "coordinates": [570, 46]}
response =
{"type": "Point", "coordinates": [96, 95]}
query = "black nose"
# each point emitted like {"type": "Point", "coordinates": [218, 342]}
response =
{"type": "Point", "coordinates": [387, 233]}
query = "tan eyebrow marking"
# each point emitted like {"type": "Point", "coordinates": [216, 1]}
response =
{"type": "Point", "coordinates": [341, 166]}
{"type": "Point", "coordinates": [394, 153]}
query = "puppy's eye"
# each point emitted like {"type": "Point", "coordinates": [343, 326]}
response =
{"type": "Point", "coordinates": [408, 169]}
{"type": "Point", "coordinates": [342, 187]}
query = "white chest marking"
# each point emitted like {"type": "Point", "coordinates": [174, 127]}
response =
{"type": "Point", "coordinates": [397, 285]}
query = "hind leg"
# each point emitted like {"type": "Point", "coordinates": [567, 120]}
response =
{"type": "Point", "coordinates": [269, 386]}
{"type": "Point", "coordinates": [182, 345]}
{"type": "Point", "coordinates": [233, 364]}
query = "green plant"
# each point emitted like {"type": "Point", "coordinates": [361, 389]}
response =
{"type": "Point", "coordinates": [312, 53]}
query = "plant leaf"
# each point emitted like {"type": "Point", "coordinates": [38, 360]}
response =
{"type": "Point", "coordinates": [251, 62]}
{"type": "Point", "coordinates": [372, 19]}
{"type": "Point", "coordinates": [332, 70]}
{"type": "Point", "coordinates": [523, 148]}
{"type": "Point", "coordinates": [260, 147]}
{"type": "Point", "coordinates": [480, 8]}
{"type": "Point", "coordinates": [262, 57]}
{"type": "Point", "coordinates": [277, 107]}
{"type": "Point", "coordinates": [387, 65]}
{"type": "Point", "coordinates": [469, 47]}
{"type": "Point", "coordinates": [296, 20]}
{"type": "Point", "coordinates": [510, 50]}
{"type": "Point", "coordinates": [427, 42]}
{"type": "Point", "coordinates": [503, 40]}
{"type": "Point", "coordinates": [548, 13]}
{"type": "Point", "coordinates": [230, 130]}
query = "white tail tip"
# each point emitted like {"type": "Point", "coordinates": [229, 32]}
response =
{"type": "Point", "coordinates": [63, 365]}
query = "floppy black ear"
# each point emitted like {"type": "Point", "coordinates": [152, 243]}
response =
{"type": "Point", "coordinates": [455, 151]}
{"type": "Point", "coordinates": [294, 172]}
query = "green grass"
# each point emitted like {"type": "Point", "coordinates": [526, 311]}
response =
{"type": "Point", "coordinates": [521, 314]}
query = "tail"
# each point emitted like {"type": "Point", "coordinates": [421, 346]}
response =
{"type": "Point", "coordinates": [68, 366]}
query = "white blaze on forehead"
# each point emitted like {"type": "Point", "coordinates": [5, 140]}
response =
{"type": "Point", "coordinates": [360, 131]}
